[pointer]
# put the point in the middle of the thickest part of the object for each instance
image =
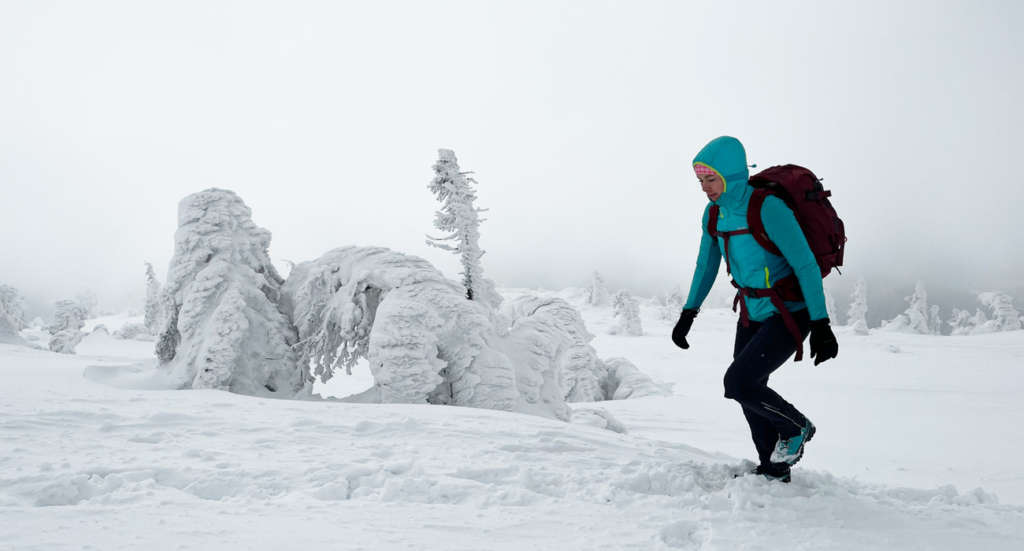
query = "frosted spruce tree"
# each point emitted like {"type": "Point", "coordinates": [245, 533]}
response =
{"type": "Point", "coordinates": [597, 294]}
{"type": "Point", "coordinates": [221, 327]}
{"type": "Point", "coordinates": [1004, 316]}
{"type": "Point", "coordinates": [915, 318]}
{"type": "Point", "coordinates": [460, 218]}
{"type": "Point", "coordinates": [627, 314]}
{"type": "Point", "coordinates": [151, 317]}
{"type": "Point", "coordinates": [857, 314]}
{"type": "Point", "coordinates": [12, 315]}
{"type": "Point", "coordinates": [66, 331]}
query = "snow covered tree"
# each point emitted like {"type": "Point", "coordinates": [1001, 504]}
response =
{"type": "Point", "coordinates": [12, 314]}
{"type": "Point", "coordinates": [425, 343]}
{"type": "Point", "coordinates": [934, 320]}
{"type": "Point", "coordinates": [980, 323]}
{"type": "Point", "coordinates": [550, 335]}
{"type": "Point", "coordinates": [151, 317]}
{"type": "Point", "coordinates": [66, 330]}
{"type": "Point", "coordinates": [673, 304]}
{"type": "Point", "coordinates": [460, 217]}
{"type": "Point", "coordinates": [960, 322]}
{"type": "Point", "coordinates": [627, 314]}
{"type": "Point", "coordinates": [1004, 316]}
{"type": "Point", "coordinates": [221, 326]}
{"type": "Point", "coordinates": [598, 292]}
{"type": "Point", "coordinates": [857, 314]}
{"type": "Point", "coordinates": [915, 318]}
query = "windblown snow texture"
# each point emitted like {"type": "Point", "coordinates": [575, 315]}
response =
{"type": "Point", "coordinates": [222, 328]}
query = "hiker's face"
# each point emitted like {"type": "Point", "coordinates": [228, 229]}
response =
{"type": "Point", "coordinates": [712, 186]}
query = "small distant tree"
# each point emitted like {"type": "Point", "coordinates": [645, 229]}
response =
{"type": "Point", "coordinates": [857, 314]}
{"type": "Point", "coordinates": [151, 314]}
{"type": "Point", "coordinates": [960, 323]}
{"type": "Point", "coordinates": [980, 323]}
{"type": "Point", "coordinates": [12, 312]}
{"type": "Point", "coordinates": [460, 217]}
{"type": "Point", "coordinates": [627, 313]}
{"type": "Point", "coordinates": [1004, 316]}
{"type": "Point", "coordinates": [598, 293]}
{"type": "Point", "coordinates": [934, 320]}
{"type": "Point", "coordinates": [915, 318]}
{"type": "Point", "coordinates": [66, 331]}
{"type": "Point", "coordinates": [673, 304]}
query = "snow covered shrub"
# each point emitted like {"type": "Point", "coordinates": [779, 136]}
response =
{"type": "Point", "coordinates": [673, 305]}
{"type": "Point", "coordinates": [624, 381]}
{"type": "Point", "coordinates": [550, 341]}
{"type": "Point", "coordinates": [1004, 316]}
{"type": "Point", "coordinates": [460, 218]}
{"type": "Point", "coordinates": [830, 306]}
{"type": "Point", "coordinates": [12, 314]}
{"type": "Point", "coordinates": [221, 326]}
{"type": "Point", "coordinates": [551, 335]}
{"type": "Point", "coordinates": [597, 293]}
{"type": "Point", "coordinates": [66, 331]}
{"type": "Point", "coordinates": [857, 314]}
{"type": "Point", "coordinates": [627, 315]}
{"type": "Point", "coordinates": [424, 341]}
{"type": "Point", "coordinates": [960, 322]}
{"type": "Point", "coordinates": [915, 319]}
{"type": "Point", "coordinates": [151, 319]}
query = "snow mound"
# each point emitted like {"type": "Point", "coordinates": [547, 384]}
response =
{"type": "Point", "coordinates": [424, 341]}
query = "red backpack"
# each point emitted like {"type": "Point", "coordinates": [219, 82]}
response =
{"type": "Point", "coordinates": [802, 191]}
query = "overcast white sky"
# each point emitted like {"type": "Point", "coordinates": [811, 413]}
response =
{"type": "Point", "coordinates": [579, 119]}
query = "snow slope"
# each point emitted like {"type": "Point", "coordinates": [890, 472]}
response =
{"type": "Point", "coordinates": [86, 462]}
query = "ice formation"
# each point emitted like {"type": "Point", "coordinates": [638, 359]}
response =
{"type": "Point", "coordinates": [221, 327]}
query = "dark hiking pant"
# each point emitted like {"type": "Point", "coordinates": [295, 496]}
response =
{"type": "Point", "coordinates": [761, 348]}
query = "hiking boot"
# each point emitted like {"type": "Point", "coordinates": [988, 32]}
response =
{"type": "Point", "coordinates": [790, 450]}
{"type": "Point", "coordinates": [775, 472]}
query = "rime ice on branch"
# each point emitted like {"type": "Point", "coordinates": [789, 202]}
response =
{"type": "Point", "coordinates": [221, 326]}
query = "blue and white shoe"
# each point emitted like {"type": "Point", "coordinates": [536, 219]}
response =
{"type": "Point", "coordinates": [790, 450]}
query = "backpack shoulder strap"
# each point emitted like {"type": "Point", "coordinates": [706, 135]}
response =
{"type": "Point", "coordinates": [756, 224]}
{"type": "Point", "coordinates": [713, 220]}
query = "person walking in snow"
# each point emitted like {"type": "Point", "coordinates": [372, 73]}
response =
{"type": "Point", "coordinates": [765, 336]}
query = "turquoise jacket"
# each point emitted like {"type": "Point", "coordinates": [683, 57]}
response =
{"type": "Point", "coordinates": [752, 265]}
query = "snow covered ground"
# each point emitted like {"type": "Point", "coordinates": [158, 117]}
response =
{"type": "Point", "coordinates": [917, 437]}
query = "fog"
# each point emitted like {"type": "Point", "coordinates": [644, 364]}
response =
{"type": "Point", "coordinates": [579, 120]}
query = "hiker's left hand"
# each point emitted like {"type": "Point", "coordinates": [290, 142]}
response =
{"type": "Point", "coordinates": [824, 345]}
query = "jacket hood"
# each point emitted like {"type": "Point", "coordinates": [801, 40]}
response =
{"type": "Point", "coordinates": [726, 156]}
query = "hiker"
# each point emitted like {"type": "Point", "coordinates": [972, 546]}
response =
{"type": "Point", "coordinates": [780, 296]}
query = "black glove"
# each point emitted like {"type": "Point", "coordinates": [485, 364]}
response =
{"type": "Point", "coordinates": [682, 328]}
{"type": "Point", "coordinates": [823, 341]}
